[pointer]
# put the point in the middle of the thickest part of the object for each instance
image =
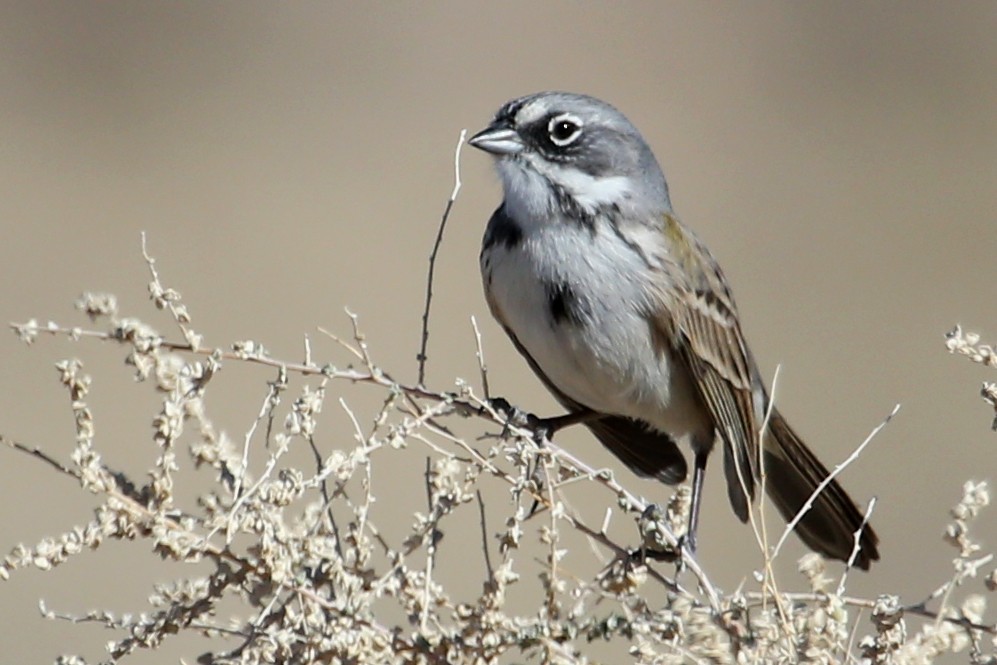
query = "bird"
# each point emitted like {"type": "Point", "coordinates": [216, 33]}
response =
{"type": "Point", "coordinates": [628, 320]}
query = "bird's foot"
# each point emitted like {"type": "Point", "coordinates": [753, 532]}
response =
{"type": "Point", "coordinates": [642, 554]}
{"type": "Point", "coordinates": [543, 429]}
{"type": "Point", "coordinates": [687, 544]}
{"type": "Point", "coordinates": [516, 417]}
{"type": "Point", "coordinates": [657, 542]}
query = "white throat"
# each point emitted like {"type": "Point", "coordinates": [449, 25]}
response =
{"type": "Point", "coordinates": [528, 193]}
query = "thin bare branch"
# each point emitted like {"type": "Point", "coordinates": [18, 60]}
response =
{"type": "Point", "coordinates": [830, 477]}
{"type": "Point", "coordinates": [421, 356]}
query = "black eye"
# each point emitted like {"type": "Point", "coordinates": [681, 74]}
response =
{"type": "Point", "coordinates": [564, 129]}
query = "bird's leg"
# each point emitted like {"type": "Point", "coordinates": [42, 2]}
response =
{"type": "Point", "coordinates": [698, 472]}
{"type": "Point", "coordinates": [546, 428]}
{"type": "Point", "coordinates": [543, 428]}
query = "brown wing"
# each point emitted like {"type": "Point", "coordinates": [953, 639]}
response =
{"type": "Point", "coordinates": [699, 316]}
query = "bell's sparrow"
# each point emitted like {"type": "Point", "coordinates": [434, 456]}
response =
{"type": "Point", "coordinates": [628, 320]}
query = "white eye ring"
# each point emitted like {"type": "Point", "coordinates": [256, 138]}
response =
{"type": "Point", "coordinates": [564, 129]}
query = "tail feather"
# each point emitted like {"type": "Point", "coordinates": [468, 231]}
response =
{"type": "Point", "coordinates": [793, 474]}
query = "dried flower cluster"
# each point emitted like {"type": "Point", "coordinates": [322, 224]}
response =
{"type": "Point", "coordinates": [968, 344]}
{"type": "Point", "coordinates": [316, 579]}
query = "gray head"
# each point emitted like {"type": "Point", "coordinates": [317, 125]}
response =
{"type": "Point", "coordinates": [556, 148]}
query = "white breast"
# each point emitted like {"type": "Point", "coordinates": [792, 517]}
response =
{"type": "Point", "coordinates": [605, 359]}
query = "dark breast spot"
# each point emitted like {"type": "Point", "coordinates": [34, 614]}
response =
{"type": "Point", "coordinates": [564, 304]}
{"type": "Point", "coordinates": [502, 230]}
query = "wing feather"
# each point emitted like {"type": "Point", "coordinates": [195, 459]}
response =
{"type": "Point", "coordinates": [699, 316]}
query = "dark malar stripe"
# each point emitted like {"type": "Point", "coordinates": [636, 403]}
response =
{"type": "Point", "coordinates": [501, 230]}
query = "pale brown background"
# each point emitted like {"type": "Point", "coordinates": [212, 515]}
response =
{"type": "Point", "coordinates": [288, 160]}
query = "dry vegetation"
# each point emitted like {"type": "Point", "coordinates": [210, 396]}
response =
{"type": "Point", "coordinates": [301, 568]}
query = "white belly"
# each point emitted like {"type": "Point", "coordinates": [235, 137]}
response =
{"type": "Point", "coordinates": [604, 356]}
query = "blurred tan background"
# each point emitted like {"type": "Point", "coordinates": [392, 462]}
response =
{"type": "Point", "coordinates": [290, 159]}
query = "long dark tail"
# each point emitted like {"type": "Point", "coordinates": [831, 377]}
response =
{"type": "Point", "coordinates": [792, 475]}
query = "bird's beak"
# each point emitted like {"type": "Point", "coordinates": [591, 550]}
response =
{"type": "Point", "coordinates": [498, 139]}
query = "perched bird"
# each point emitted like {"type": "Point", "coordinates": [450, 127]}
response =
{"type": "Point", "coordinates": [628, 320]}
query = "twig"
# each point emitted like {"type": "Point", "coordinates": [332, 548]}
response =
{"type": "Point", "coordinates": [830, 477]}
{"type": "Point", "coordinates": [760, 527]}
{"type": "Point", "coordinates": [857, 545]}
{"type": "Point", "coordinates": [245, 496]}
{"type": "Point", "coordinates": [759, 597]}
{"type": "Point", "coordinates": [343, 343]}
{"type": "Point", "coordinates": [480, 354]}
{"type": "Point", "coordinates": [377, 377]}
{"type": "Point", "coordinates": [169, 299]}
{"type": "Point", "coordinates": [484, 537]}
{"type": "Point", "coordinates": [712, 595]}
{"type": "Point", "coordinates": [361, 341]}
{"type": "Point", "coordinates": [130, 503]}
{"type": "Point", "coordinates": [761, 533]}
{"type": "Point", "coordinates": [430, 547]}
{"type": "Point", "coordinates": [422, 357]}
{"type": "Point", "coordinates": [42, 455]}
{"type": "Point", "coordinates": [556, 509]}
{"type": "Point", "coordinates": [269, 404]}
